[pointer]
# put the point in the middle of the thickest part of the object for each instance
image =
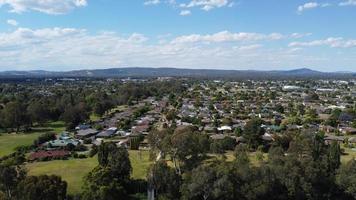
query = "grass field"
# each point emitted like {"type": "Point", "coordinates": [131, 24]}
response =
{"type": "Point", "coordinates": [8, 142]}
{"type": "Point", "coordinates": [73, 171]}
{"type": "Point", "coordinates": [94, 117]}
{"type": "Point", "coordinates": [349, 155]}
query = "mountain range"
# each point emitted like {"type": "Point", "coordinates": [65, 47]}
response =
{"type": "Point", "coordinates": [141, 72]}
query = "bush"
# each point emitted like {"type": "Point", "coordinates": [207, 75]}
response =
{"type": "Point", "coordinates": [82, 156]}
{"type": "Point", "coordinates": [24, 148]}
{"type": "Point", "coordinates": [75, 155]}
{"type": "Point", "coordinates": [93, 151]}
{"type": "Point", "coordinates": [80, 147]}
{"type": "Point", "coordinates": [44, 138]}
{"type": "Point", "coordinates": [87, 141]}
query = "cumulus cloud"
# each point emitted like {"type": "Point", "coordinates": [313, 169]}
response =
{"type": "Point", "coordinates": [152, 2]}
{"type": "Point", "coordinates": [338, 42]}
{"type": "Point", "coordinates": [71, 48]}
{"type": "Point", "coordinates": [311, 5]}
{"type": "Point", "coordinates": [348, 3]}
{"type": "Point", "coordinates": [54, 7]}
{"type": "Point", "coordinates": [77, 48]}
{"type": "Point", "coordinates": [206, 4]}
{"type": "Point", "coordinates": [12, 22]}
{"type": "Point", "coordinates": [185, 12]}
{"type": "Point", "coordinates": [185, 6]}
{"type": "Point", "coordinates": [247, 47]}
{"type": "Point", "coordinates": [226, 36]}
{"type": "Point", "coordinates": [300, 35]}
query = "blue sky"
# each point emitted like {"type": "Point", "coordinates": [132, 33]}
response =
{"type": "Point", "coordinates": [216, 34]}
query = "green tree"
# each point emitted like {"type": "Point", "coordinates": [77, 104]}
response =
{"type": "Point", "coordinates": [14, 115]}
{"type": "Point", "coordinates": [38, 112]}
{"type": "Point", "coordinates": [164, 180]}
{"type": "Point", "coordinates": [74, 115]}
{"type": "Point", "coordinates": [109, 180]}
{"type": "Point", "coordinates": [187, 147]}
{"type": "Point", "coordinates": [42, 188]}
{"type": "Point", "coordinates": [334, 157]}
{"type": "Point", "coordinates": [253, 133]}
{"type": "Point", "coordinates": [10, 177]}
{"type": "Point", "coordinates": [346, 178]}
{"type": "Point", "coordinates": [100, 184]}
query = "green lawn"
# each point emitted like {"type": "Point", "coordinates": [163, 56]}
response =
{"type": "Point", "coordinates": [94, 117]}
{"type": "Point", "coordinates": [8, 142]}
{"type": "Point", "coordinates": [349, 155]}
{"type": "Point", "coordinates": [140, 163]}
{"type": "Point", "coordinates": [73, 171]}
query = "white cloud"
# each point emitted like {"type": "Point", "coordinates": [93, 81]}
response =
{"type": "Point", "coordinates": [348, 3]}
{"type": "Point", "coordinates": [152, 2]}
{"type": "Point", "coordinates": [338, 42]}
{"type": "Point", "coordinates": [300, 35]}
{"type": "Point", "coordinates": [70, 48]}
{"type": "Point", "coordinates": [185, 12]}
{"type": "Point", "coordinates": [187, 5]}
{"type": "Point", "coordinates": [207, 4]}
{"type": "Point", "coordinates": [248, 47]}
{"type": "Point", "coordinates": [137, 38]}
{"type": "Point", "coordinates": [226, 36]}
{"type": "Point", "coordinates": [12, 22]}
{"type": "Point", "coordinates": [311, 5]}
{"type": "Point", "coordinates": [54, 7]}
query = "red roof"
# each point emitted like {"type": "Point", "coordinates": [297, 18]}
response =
{"type": "Point", "coordinates": [49, 154]}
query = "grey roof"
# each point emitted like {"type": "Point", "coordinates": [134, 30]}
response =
{"type": "Point", "coordinates": [106, 133]}
{"type": "Point", "coordinates": [352, 140]}
{"type": "Point", "coordinates": [87, 132]}
{"type": "Point", "coordinates": [217, 137]}
{"type": "Point", "coordinates": [334, 138]}
{"type": "Point", "coordinates": [63, 143]}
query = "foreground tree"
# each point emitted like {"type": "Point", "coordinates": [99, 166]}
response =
{"type": "Point", "coordinates": [109, 180]}
{"type": "Point", "coordinates": [42, 188]}
{"type": "Point", "coordinates": [346, 178]}
{"type": "Point", "coordinates": [164, 180]}
{"type": "Point", "coordinates": [10, 177]}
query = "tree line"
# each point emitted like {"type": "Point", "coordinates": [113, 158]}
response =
{"type": "Point", "coordinates": [23, 106]}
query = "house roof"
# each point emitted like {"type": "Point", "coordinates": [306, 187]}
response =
{"type": "Point", "coordinates": [352, 140]}
{"type": "Point", "coordinates": [217, 137]}
{"type": "Point", "coordinates": [106, 133]}
{"type": "Point", "coordinates": [49, 154]}
{"type": "Point", "coordinates": [334, 138]}
{"type": "Point", "coordinates": [87, 132]}
{"type": "Point", "coordinates": [63, 143]}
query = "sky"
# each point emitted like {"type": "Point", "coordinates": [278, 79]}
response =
{"type": "Point", "coordinates": [61, 35]}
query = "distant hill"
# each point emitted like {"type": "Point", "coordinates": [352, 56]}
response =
{"type": "Point", "coordinates": [140, 72]}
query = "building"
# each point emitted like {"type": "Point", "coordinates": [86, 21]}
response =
{"type": "Point", "coordinates": [47, 155]}
{"type": "Point", "coordinates": [86, 133]}
{"type": "Point", "coordinates": [107, 133]}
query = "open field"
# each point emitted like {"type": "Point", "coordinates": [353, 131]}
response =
{"type": "Point", "coordinates": [73, 171]}
{"type": "Point", "coordinates": [8, 142]}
